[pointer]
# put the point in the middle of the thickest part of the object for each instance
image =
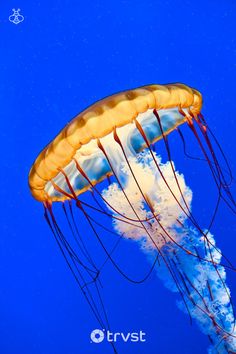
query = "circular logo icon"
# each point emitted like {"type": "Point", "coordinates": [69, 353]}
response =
{"type": "Point", "coordinates": [97, 336]}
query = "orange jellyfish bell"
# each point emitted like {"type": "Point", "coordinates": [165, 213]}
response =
{"type": "Point", "coordinates": [76, 150]}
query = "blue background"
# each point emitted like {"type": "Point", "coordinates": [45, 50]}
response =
{"type": "Point", "coordinates": [63, 57]}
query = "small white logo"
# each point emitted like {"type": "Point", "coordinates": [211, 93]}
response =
{"type": "Point", "coordinates": [16, 17]}
{"type": "Point", "coordinates": [97, 336]}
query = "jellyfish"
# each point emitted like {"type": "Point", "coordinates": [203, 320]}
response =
{"type": "Point", "coordinates": [112, 171]}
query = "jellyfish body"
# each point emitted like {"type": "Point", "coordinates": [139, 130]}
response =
{"type": "Point", "coordinates": [79, 137]}
{"type": "Point", "coordinates": [147, 200]}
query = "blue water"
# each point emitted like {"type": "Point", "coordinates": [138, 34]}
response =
{"type": "Point", "coordinates": [64, 56]}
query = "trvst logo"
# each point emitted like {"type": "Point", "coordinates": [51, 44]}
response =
{"type": "Point", "coordinates": [98, 336]}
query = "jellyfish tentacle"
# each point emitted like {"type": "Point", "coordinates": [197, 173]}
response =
{"type": "Point", "coordinates": [197, 158]}
{"type": "Point", "coordinates": [193, 129]}
{"type": "Point", "coordinates": [96, 200]}
{"type": "Point", "coordinates": [203, 129]}
{"type": "Point", "coordinates": [219, 328]}
{"type": "Point", "coordinates": [121, 187]}
{"type": "Point", "coordinates": [205, 311]}
{"type": "Point", "coordinates": [84, 287]}
{"type": "Point", "coordinates": [140, 281]}
{"type": "Point", "coordinates": [191, 217]}
{"type": "Point", "coordinates": [185, 279]}
{"type": "Point", "coordinates": [139, 127]}
{"type": "Point", "coordinates": [86, 255]}
{"type": "Point", "coordinates": [180, 290]}
{"type": "Point", "coordinates": [60, 190]}
{"type": "Point", "coordinates": [218, 198]}
{"type": "Point", "coordinates": [83, 246]}
{"type": "Point", "coordinates": [110, 215]}
{"type": "Point", "coordinates": [109, 255]}
{"type": "Point", "coordinates": [97, 191]}
{"type": "Point", "coordinates": [55, 232]}
{"type": "Point", "coordinates": [185, 148]}
{"type": "Point", "coordinates": [78, 203]}
{"type": "Point", "coordinates": [220, 176]}
{"type": "Point", "coordinates": [165, 231]}
{"type": "Point", "coordinates": [189, 214]}
{"type": "Point", "coordinates": [190, 123]}
{"type": "Point", "coordinates": [178, 284]}
{"type": "Point", "coordinates": [119, 142]}
{"type": "Point", "coordinates": [220, 148]}
{"type": "Point", "coordinates": [217, 202]}
{"type": "Point", "coordinates": [117, 178]}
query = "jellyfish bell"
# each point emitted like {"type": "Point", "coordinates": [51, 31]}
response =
{"type": "Point", "coordinates": [147, 199]}
{"type": "Point", "coordinates": [78, 140]}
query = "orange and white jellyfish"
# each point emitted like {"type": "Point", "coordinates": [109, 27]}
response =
{"type": "Point", "coordinates": [146, 199]}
